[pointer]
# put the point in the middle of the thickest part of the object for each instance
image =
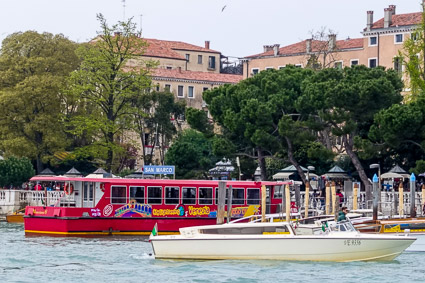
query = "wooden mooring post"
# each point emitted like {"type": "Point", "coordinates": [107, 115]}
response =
{"type": "Point", "coordinates": [288, 203]}
{"type": "Point", "coordinates": [306, 198]}
{"type": "Point", "coordinates": [221, 202]}
{"type": "Point", "coordinates": [229, 204]}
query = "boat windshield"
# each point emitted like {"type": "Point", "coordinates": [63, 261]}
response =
{"type": "Point", "coordinates": [343, 226]}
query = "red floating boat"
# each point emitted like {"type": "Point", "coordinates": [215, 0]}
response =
{"type": "Point", "coordinates": [110, 206]}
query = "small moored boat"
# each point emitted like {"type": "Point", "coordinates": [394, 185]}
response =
{"type": "Point", "coordinates": [278, 241]}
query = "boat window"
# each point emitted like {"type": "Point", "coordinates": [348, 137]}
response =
{"type": "Point", "coordinates": [172, 195]}
{"type": "Point", "coordinates": [189, 195]}
{"type": "Point", "coordinates": [205, 196]}
{"type": "Point", "coordinates": [278, 191]}
{"type": "Point", "coordinates": [216, 195]}
{"type": "Point", "coordinates": [138, 194]}
{"type": "Point", "coordinates": [118, 194]}
{"type": "Point", "coordinates": [253, 196]}
{"type": "Point", "coordinates": [238, 196]}
{"type": "Point", "coordinates": [154, 195]}
{"type": "Point", "coordinates": [247, 230]}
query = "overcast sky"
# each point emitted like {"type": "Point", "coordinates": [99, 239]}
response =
{"type": "Point", "coordinates": [234, 27]}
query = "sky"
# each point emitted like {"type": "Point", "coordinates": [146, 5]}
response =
{"type": "Point", "coordinates": [236, 28]}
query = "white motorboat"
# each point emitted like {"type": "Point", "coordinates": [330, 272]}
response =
{"type": "Point", "coordinates": [279, 241]}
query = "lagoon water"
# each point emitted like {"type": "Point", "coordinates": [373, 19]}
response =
{"type": "Point", "coordinates": [127, 259]}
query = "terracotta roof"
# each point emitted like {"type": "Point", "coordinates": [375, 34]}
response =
{"type": "Point", "coordinates": [196, 76]}
{"type": "Point", "coordinates": [316, 45]}
{"type": "Point", "coordinates": [166, 49]}
{"type": "Point", "coordinates": [400, 20]}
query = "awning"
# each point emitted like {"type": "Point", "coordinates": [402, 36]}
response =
{"type": "Point", "coordinates": [286, 175]}
{"type": "Point", "coordinates": [392, 175]}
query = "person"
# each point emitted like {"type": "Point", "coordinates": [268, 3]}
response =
{"type": "Point", "coordinates": [342, 215]}
{"type": "Point", "coordinates": [341, 197]}
{"type": "Point", "coordinates": [38, 187]}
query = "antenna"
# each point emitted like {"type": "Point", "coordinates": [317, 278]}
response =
{"type": "Point", "coordinates": [140, 32]}
{"type": "Point", "coordinates": [123, 7]}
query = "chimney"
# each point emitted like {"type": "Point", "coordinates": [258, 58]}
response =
{"type": "Point", "coordinates": [332, 42]}
{"type": "Point", "coordinates": [207, 44]}
{"type": "Point", "coordinates": [179, 69]}
{"type": "Point", "coordinates": [117, 33]}
{"type": "Point", "coordinates": [276, 49]}
{"type": "Point", "coordinates": [308, 45]}
{"type": "Point", "coordinates": [369, 22]}
{"type": "Point", "coordinates": [387, 17]}
{"type": "Point", "coordinates": [267, 48]}
{"type": "Point", "coordinates": [392, 7]}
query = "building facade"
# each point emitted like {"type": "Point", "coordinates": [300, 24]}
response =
{"type": "Point", "coordinates": [380, 45]}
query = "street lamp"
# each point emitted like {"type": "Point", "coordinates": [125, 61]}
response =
{"type": "Point", "coordinates": [376, 165]}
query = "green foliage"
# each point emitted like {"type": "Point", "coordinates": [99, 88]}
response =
{"type": "Point", "coordinates": [413, 58]}
{"type": "Point", "coordinates": [33, 69]}
{"type": "Point", "coordinates": [419, 168]}
{"type": "Point", "coordinates": [15, 171]}
{"type": "Point", "coordinates": [107, 82]}
{"type": "Point", "coordinates": [198, 120]}
{"type": "Point", "coordinates": [191, 153]}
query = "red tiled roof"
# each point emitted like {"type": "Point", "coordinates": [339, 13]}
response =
{"type": "Point", "coordinates": [316, 45]}
{"type": "Point", "coordinates": [166, 49]}
{"type": "Point", "coordinates": [196, 76]}
{"type": "Point", "coordinates": [400, 20]}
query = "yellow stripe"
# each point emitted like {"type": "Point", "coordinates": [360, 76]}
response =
{"type": "Point", "coordinates": [99, 233]}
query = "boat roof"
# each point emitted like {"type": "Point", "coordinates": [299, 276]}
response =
{"type": "Point", "coordinates": [155, 181]}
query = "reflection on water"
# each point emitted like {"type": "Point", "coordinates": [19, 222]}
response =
{"type": "Point", "coordinates": [127, 259]}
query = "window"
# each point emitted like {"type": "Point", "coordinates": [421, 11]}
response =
{"type": "Point", "coordinates": [154, 195]}
{"type": "Point", "coordinates": [157, 88]}
{"type": "Point", "coordinates": [299, 65]}
{"type": "Point", "coordinates": [238, 196]}
{"type": "Point", "coordinates": [172, 195]}
{"type": "Point", "coordinates": [269, 68]}
{"type": "Point", "coordinates": [216, 195]}
{"type": "Point", "coordinates": [281, 67]}
{"type": "Point", "coordinates": [414, 36]}
{"type": "Point", "coordinates": [199, 59]}
{"type": "Point", "coordinates": [187, 57]}
{"type": "Point", "coordinates": [255, 71]}
{"type": "Point", "coordinates": [190, 93]}
{"type": "Point", "coordinates": [169, 68]}
{"type": "Point", "coordinates": [373, 40]}
{"type": "Point", "coordinates": [205, 195]}
{"type": "Point", "coordinates": [167, 87]}
{"type": "Point", "coordinates": [253, 195]}
{"type": "Point", "coordinates": [211, 62]}
{"type": "Point", "coordinates": [354, 62]}
{"type": "Point", "coordinates": [398, 65]}
{"type": "Point", "coordinates": [189, 195]}
{"type": "Point", "coordinates": [138, 194]}
{"type": "Point", "coordinates": [372, 63]}
{"type": "Point", "coordinates": [118, 194]}
{"type": "Point", "coordinates": [338, 65]}
{"type": "Point", "coordinates": [204, 89]}
{"type": "Point", "coordinates": [398, 38]}
{"type": "Point", "coordinates": [180, 91]}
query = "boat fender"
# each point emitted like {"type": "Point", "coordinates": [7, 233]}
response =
{"type": "Point", "coordinates": [69, 189]}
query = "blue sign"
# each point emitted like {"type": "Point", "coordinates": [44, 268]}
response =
{"type": "Point", "coordinates": [159, 170]}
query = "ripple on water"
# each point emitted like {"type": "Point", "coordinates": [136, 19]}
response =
{"type": "Point", "coordinates": [106, 259]}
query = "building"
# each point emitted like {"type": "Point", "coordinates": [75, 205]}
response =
{"type": "Point", "coordinates": [379, 46]}
{"type": "Point", "coordinates": [186, 70]}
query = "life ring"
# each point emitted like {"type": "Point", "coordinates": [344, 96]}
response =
{"type": "Point", "coordinates": [68, 189]}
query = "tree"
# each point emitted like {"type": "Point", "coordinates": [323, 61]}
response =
{"type": "Point", "coordinates": [347, 100]}
{"type": "Point", "coordinates": [192, 155]}
{"type": "Point", "coordinates": [321, 50]}
{"type": "Point", "coordinates": [15, 171]}
{"type": "Point", "coordinates": [198, 120]}
{"type": "Point", "coordinates": [258, 114]}
{"type": "Point", "coordinates": [412, 56]}
{"type": "Point", "coordinates": [154, 123]}
{"type": "Point", "coordinates": [107, 82]}
{"type": "Point", "coordinates": [33, 69]}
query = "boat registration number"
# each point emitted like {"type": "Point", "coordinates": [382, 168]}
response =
{"type": "Point", "coordinates": [352, 242]}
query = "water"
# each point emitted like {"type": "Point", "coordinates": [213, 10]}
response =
{"type": "Point", "coordinates": [128, 259]}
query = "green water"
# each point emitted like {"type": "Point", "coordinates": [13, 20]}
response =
{"type": "Point", "coordinates": [128, 259]}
